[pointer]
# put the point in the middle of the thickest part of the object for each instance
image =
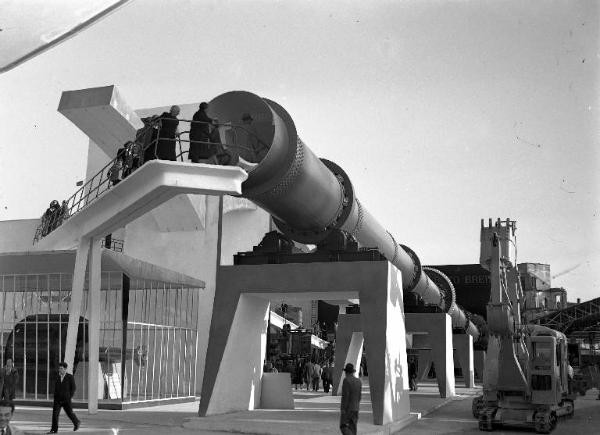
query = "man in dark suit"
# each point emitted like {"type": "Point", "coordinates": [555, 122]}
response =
{"type": "Point", "coordinates": [351, 391]}
{"type": "Point", "coordinates": [200, 147]}
{"type": "Point", "coordinates": [64, 388]}
{"type": "Point", "coordinates": [165, 148]}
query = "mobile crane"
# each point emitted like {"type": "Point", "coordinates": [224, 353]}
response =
{"type": "Point", "coordinates": [525, 379]}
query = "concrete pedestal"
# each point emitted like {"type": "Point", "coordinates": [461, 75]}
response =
{"type": "Point", "coordinates": [424, 364]}
{"type": "Point", "coordinates": [463, 350]}
{"type": "Point", "coordinates": [434, 331]}
{"type": "Point", "coordinates": [238, 329]}
{"type": "Point", "coordinates": [276, 391]}
{"type": "Point", "coordinates": [348, 347]}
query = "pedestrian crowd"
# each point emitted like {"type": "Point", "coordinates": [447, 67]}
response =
{"type": "Point", "coordinates": [312, 374]}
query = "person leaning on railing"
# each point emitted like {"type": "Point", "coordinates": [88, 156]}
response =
{"type": "Point", "coordinates": [200, 147]}
{"type": "Point", "coordinates": [165, 148]}
{"type": "Point", "coordinates": [50, 217]}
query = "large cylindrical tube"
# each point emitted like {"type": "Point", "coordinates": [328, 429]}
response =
{"type": "Point", "coordinates": [309, 197]}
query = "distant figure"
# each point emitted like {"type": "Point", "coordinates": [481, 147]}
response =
{"type": "Point", "coordinates": [7, 409]}
{"type": "Point", "coordinates": [297, 374]}
{"type": "Point", "coordinates": [412, 374]}
{"type": "Point", "coordinates": [308, 368]}
{"type": "Point", "coordinates": [200, 147]}
{"type": "Point", "coordinates": [10, 379]}
{"type": "Point", "coordinates": [147, 136]}
{"type": "Point", "coordinates": [64, 211]}
{"type": "Point", "coordinates": [165, 148]}
{"type": "Point", "coordinates": [50, 218]}
{"type": "Point", "coordinates": [570, 375]}
{"type": "Point", "coordinates": [131, 157]}
{"type": "Point", "coordinates": [251, 148]}
{"type": "Point", "coordinates": [114, 172]}
{"type": "Point", "coordinates": [327, 376]}
{"type": "Point", "coordinates": [64, 389]}
{"type": "Point", "coordinates": [351, 391]}
{"type": "Point", "coordinates": [316, 376]}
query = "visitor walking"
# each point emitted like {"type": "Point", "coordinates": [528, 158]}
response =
{"type": "Point", "coordinates": [10, 379]}
{"type": "Point", "coordinates": [308, 367]}
{"type": "Point", "coordinates": [316, 376]}
{"type": "Point", "coordinates": [327, 376]}
{"type": "Point", "coordinates": [412, 374]}
{"type": "Point", "coordinates": [351, 391]}
{"type": "Point", "coordinates": [64, 388]}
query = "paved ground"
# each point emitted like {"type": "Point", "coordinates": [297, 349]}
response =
{"type": "Point", "coordinates": [315, 413]}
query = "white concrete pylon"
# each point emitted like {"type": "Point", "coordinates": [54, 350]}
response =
{"type": "Point", "coordinates": [94, 309]}
{"type": "Point", "coordinates": [81, 258]}
{"type": "Point", "coordinates": [87, 257]}
{"type": "Point", "coordinates": [463, 345]}
{"type": "Point", "coordinates": [438, 338]}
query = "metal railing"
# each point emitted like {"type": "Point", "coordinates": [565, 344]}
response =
{"type": "Point", "coordinates": [113, 244]}
{"type": "Point", "coordinates": [223, 145]}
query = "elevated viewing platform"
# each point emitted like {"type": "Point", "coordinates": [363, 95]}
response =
{"type": "Point", "coordinates": [149, 186]}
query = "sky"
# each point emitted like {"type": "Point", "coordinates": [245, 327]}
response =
{"type": "Point", "coordinates": [441, 112]}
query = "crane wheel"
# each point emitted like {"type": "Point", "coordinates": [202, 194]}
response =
{"type": "Point", "coordinates": [545, 423]}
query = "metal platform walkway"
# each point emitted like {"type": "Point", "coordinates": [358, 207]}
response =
{"type": "Point", "coordinates": [580, 317]}
{"type": "Point", "coordinates": [149, 186]}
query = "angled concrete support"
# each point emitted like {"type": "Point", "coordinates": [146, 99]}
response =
{"type": "Point", "coordinates": [81, 261]}
{"type": "Point", "coordinates": [94, 307]}
{"type": "Point", "coordinates": [438, 327]}
{"type": "Point", "coordinates": [348, 347]}
{"type": "Point", "coordinates": [88, 258]}
{"type": "Point", "coordinates": [424, 364]}
{"type": "Point", "coordinates": [236, 343]}
{"type": "Point", "coordinates": [382, 316]}
{"type": "Point", "coordinates": [238, 327]}
{"type": "Point", "coordinates": [463, 345]}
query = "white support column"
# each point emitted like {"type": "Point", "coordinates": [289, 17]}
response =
{"type": "Point", "coordinates": [463, 344]}
{"type": "Point", "coordinates": [94, 310]}
{"type": "Point", "coordinates": [353, 356]}
{"type": "Point", "coordinates": [81, 258]}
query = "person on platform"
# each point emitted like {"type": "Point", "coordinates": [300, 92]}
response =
{"type": "Point", "coordinates": [64, 389]}
{"type": "Point", "coordinates": [10, 379]}
{"type": "Point", "coordinates": [168, 122]}
{"type": "Point", "coordinates": [249, 139]}
{"type": "Point", "coordinates": [7, 409]}
{"type": "Point", "coordinates": [200, 147]}
{"type": "Point", "coordinates": [351, 392]}
{"type": "Point", "coordinates": [50, 218]}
